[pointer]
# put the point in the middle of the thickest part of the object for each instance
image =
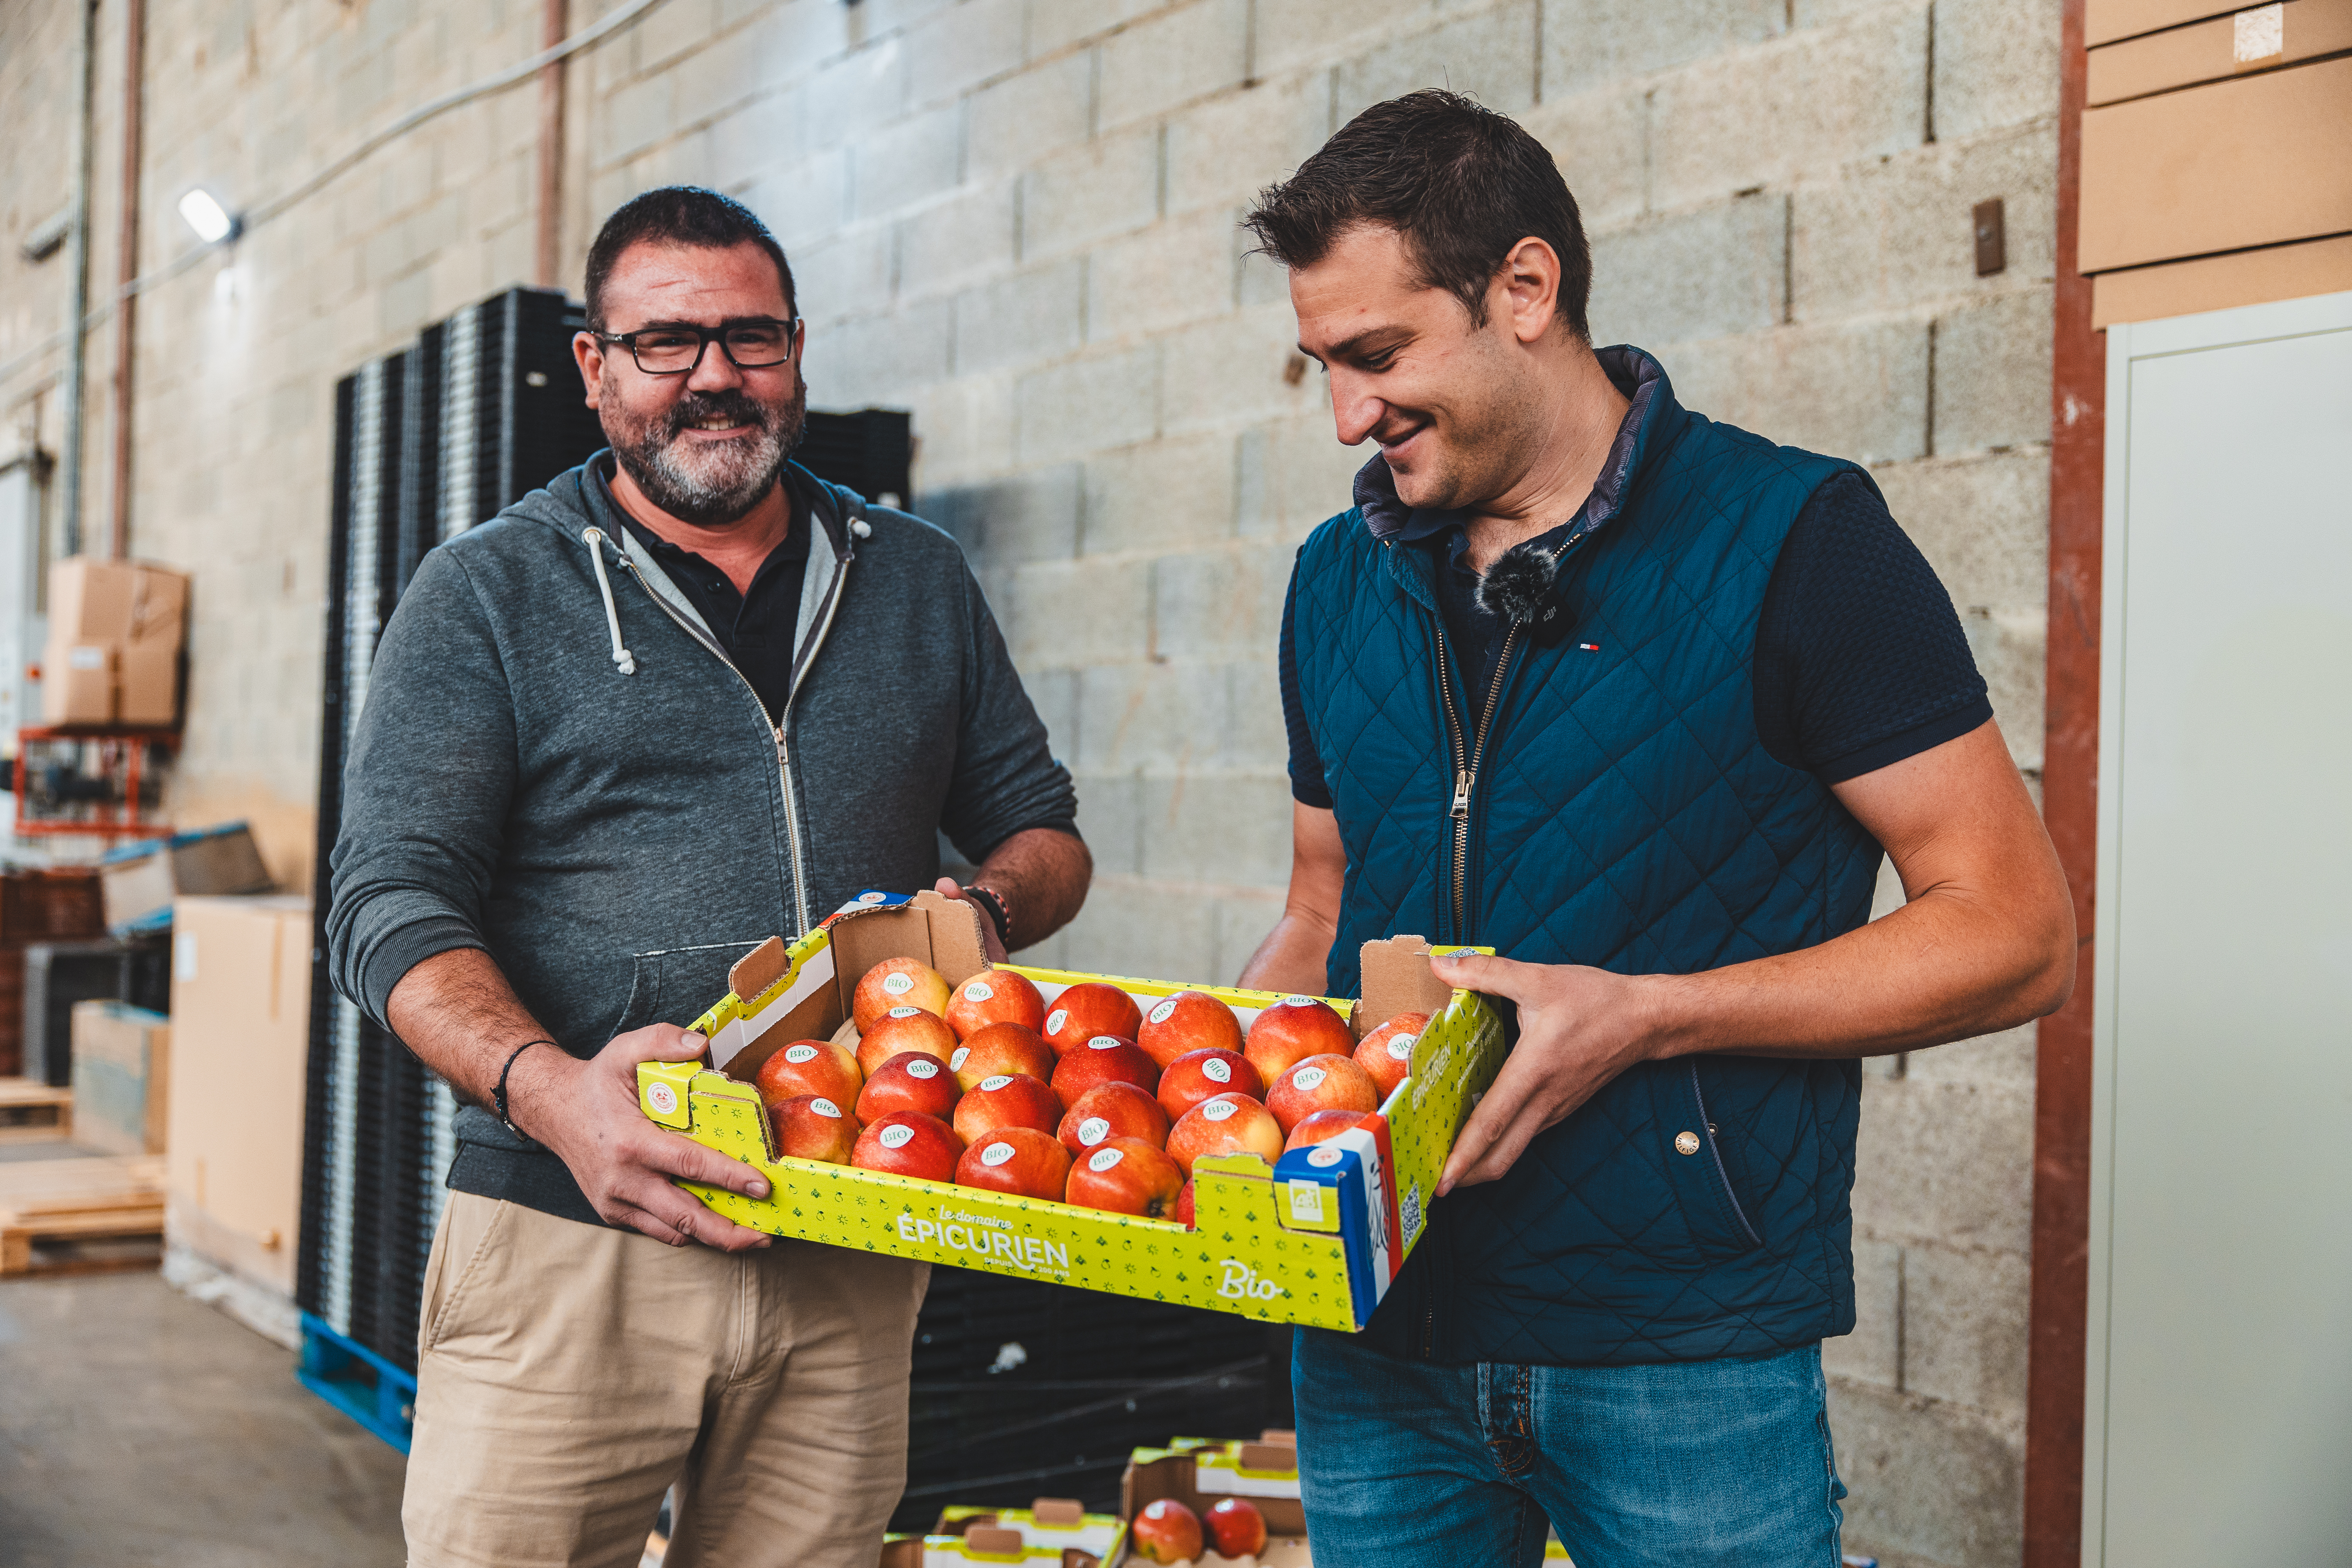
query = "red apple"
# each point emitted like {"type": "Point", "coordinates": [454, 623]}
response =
{"type": "Point", "coordinates": [1106, 1059]}
{"type": "Point", "coordinates": [1111, 1110]}
{"type": "Point", "coordinates": [1386, 1054]}
{"type": "Point", "coordinates": [1292, 1030]}
{"type": "Point", "coordinates": [1188, 1021]}
{"type": "Point", "coordinates": [994, 996]}
{"type": "Point", "coordinates": [897, 983]}
{"type": "Point", "coordinates": [1008, 1100]}
{"type": "Point", "coordinates": [1000, 1048]}
{"type": "Point", "coordinates": [1236, 1527]}
{"type": "Point", "coordinates": [1127, 1175]}
{"type": "Point", "coordinates": [904, 1029]}
{"type": "Point", "coordinates": [911, 1080]}
{"type": "Point", "coordinates": [810, 1127]}
{"type": "Point", "coordinates": [908, 1143]}
{"type": "Point", "coordinates": [1228, 1124]}
{"type": "Point", "coordinates": [810, 1067]}
{"type": "Point", "coordinates": [1198, 1075]}
{"type": "Point", "coordinates": [1167, 1531]}
{"type": "Point", "coordinates": [1321, 1083]}
{"type": "Point", "coordinates": [1018, 1160]}
{"type": "Point", "coordinates": [1320, 1128]}
{"type": "Point", "coordinates": [1084, 1010]}
{"type": "Point", "coordinates": [1183, 1214]}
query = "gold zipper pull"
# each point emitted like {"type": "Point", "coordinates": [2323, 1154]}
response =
{"type": "Point", "coordinates": [1462, 782]}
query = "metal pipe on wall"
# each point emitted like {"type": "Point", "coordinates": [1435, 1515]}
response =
{"type": "Point", "coordinates": [134, 76]}
{"type": "Point", "coordinates": [78, 285]}
{"type": "Point", "coordinates": [548, 258]}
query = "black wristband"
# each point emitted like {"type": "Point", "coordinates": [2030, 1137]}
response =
{"type": "Point", "coordinates": [499, 1096]}
{"type": "Point", "coordinates": [999, 913]}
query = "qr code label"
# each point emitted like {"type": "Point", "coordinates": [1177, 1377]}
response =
{"type": "Point", "coordinates": [1409, 1215]}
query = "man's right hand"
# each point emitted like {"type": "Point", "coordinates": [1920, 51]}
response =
{"type": "Point", "coordinates": [587, 1113]}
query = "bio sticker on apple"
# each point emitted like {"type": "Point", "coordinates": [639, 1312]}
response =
{"type": "Point", "coordinates": [898, 984]}
{"type": "Point", "coordinates": [979, 991]}
{"type": "Point", "coordinates": [826, 1107]}
{"type": "Point", "coordinates": [662, 1098]}
{"type": "Point", "coordinates": [901, 1012]}
{"type": "Point", "coordinates": [897, 1135]}
{"type": "Point", "coordinates": [992, 1084]}
{"type": "Point", "coordinates": [1325, 1156]}
{"type": "Point", "coordinates": [1093, 1130]}
{"type": "Point", "coordinates": [1104, 1159]}
{"type": "Point", "coordinates": [955, 1062]}
{"type": "Point", "coordinates": [799, 1054]}
{"type": "Point", "coordinates": [921, 1068]}
{"type": "Point", "coordinates": [1307, 1078]}
{"type": "Point", "coordinates": [1055, 1019]}
{"type": "Point", "coordinates": [1105, 1043]}
{"type": "Point", "coordinates": [1296, 1002]}
{"type": "Point", "coordinates": [1165, 1011]}
{"type": "Point", "coordinates": [1401, 1047]}
{"type": "Point", "coordinates": [996, 1153]}
{"type": "Point", "coordinates": [1217, 1069]}
{"type": "Point", "coordinates": [1217, 1110]}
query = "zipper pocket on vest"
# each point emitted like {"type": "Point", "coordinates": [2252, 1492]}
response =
{"type": "Point", "coordinates": [1715, 1156]}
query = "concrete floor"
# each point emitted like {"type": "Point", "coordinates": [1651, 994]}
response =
{"type": "Point", "coordinates": [139, 1427]}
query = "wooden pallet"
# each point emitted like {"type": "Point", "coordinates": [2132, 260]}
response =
{"type": "Point", "coordinates": [31, 1111]}
{"type": "Point", "coordinates": [56, 1215]}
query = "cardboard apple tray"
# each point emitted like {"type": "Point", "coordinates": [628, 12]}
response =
{"type": "Point", "coordinates": [1315, 1239]}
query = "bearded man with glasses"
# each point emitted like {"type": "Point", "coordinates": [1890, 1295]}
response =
{"type": "Point", "coordinates": [686, 697]}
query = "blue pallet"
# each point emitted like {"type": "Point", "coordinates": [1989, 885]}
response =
{"type": "Point", "coordinates": [358, 1382]}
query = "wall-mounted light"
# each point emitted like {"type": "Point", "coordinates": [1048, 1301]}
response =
{"type": "Point", "coordinates": [205, 214]}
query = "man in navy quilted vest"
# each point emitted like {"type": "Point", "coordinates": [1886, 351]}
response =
{"type": "Point", "coordinates": [1639, 701]}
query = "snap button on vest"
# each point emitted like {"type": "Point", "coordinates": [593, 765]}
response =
{"type": "Point", "coordinates": [1686, 1143]}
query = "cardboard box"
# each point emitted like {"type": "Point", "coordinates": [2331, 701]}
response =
{"type": "Point", "coordinates": [2222, 282]}
{"type": "Point", "coordinates": [1053, 1532]}
{"type": "Point", "coordinates": [147, 683]}
{"type": "Point", "coordinates": [78, 682]}
{"type": "Point", "coordinates": [1317, 1238]}
{"type": "Point", "coordinates": [138, 882]}
{"type": "Point", "coordinates": [2217, 49]}
{"type": "Point", "coordinates": [2257, 160]}
{"type": "Point", "coordinates": [2106, 21]}
{"type": "Point", "coordinates": [115, 631]}
{"type": "Point", "coordinates": [92, 599]}
{"type": "Point", "coordinates": [122, 1076]}
{"type": "Point", "coordinates": [241, 1035]}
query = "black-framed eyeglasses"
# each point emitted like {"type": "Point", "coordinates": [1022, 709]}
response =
{"type": "Point", "coordinates": [676, 348]}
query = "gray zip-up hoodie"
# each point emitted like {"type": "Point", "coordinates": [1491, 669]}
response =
{"type": "Point", "coordinates": [557, 764]}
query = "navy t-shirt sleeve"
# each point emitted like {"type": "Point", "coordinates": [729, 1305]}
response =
{"type": "Point", "coordinates": [1860, 659]}
{"type": "Point", "coordinates": [1306, 783]}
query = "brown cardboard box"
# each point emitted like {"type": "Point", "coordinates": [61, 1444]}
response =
{"type": "Point", "coordinates": [2212, 51]}
{"type": "Point", "coordinates": [2105, 21]}
{"type": "Point", "coordinates": [2221, 282]}
{"type": "Point", "coordinates": [147, 682]}
{"type": "Point", "coordinates": [241, 1026]}
{"type": "Point", "coordinates": [122, 1076]}
{"type": "Point", "coordinates": [92, 599]}
{"type": "Point", "coordinates": [78, 682]}
{"type": "Point", "coordinates": [213, 860]}
{"type": "Point", "coordinates": [2257, 160]}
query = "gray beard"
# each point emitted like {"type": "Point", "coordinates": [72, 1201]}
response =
{"type": "Point", "coordinates": [721, 483]}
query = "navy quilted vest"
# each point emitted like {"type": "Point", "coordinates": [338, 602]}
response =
{"type": "Point", "coordinates": [1624, 814]}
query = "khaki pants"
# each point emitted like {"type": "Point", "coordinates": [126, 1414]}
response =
{"type": "Point", "coordinates": [568, 1374]}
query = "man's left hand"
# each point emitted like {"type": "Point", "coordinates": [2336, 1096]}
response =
{"type": "Point", "coordinates": [1579, 1027]}
{"type": "Point", "coordinates": [949, 888]}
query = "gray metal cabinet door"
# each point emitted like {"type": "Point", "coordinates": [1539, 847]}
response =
{"type": "Point", "coordinates": [2221, 1315]}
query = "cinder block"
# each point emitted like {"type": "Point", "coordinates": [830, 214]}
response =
{"type": "Point", "coordinates": [1996, 64]}
{"type": "Point", "coordinates": [1055, 24]}
{"type": "Point", "coordinates": [1219, 604]}
{"type": "Point", "coordinates": [894, 168]}
{"type": "Point", "coordinates": [1054, 694]}
{"type": "Point", "coordinates": [1589, 43]}
{"type": "Point", "coordinates": [1706, 274]}
{"type": "Point", "coordinates": [1244, 916]}
{"type": "Point", "coordinates": [1873, 1353]}
{"type": "Point", "coordinates": [2011, 648]}
{"type": "Point", "coordinates": [1005, 522]}
{"type": "Point", "coordinates": [1855, 390]}
{"type": "Point", "coordinates": [1992, 373]}
{"type": "Point", "coordinates": [716, 77]}
{"type": "Point", "coordinates": [1601, 140]}
{"type": "Point", "coordinates": [1885, 236]}
{"type": "Point", "coordinates": [1964, 1332]}
{"type": "Point", "coordinates": [1945, 1161]}
{"type": "Point", "coordinates": [1257, 738]}
{"type": "Point", "coordinates": [751, 139]}
{"type": "Point", "coordinates": [1160, 495]}
{"type": "Point", "coordinates": [1011, 123]}
{"type": "Point", "coordinates": [1133, 926]}
{"type": "Point", "coordinates": [1982, 522]}
{"type": "Point", "coordinates": [1930, 1483]}
{"type": "Point", "coordinates": [1088, 404]}
{"type": "Point", "coordinates": [799, 205]}
{"type": "Point", "coordinates": [1804, 106]}
{"type": "Point", "coordinates": [1087, 193]}
{"type": "Point", "coordinates": [872, 359]}
{"type": "Point", "coordinates": [1073, 614]}
{"type": "Point", "coordinates": [1220, 373]}
{"type": "Point", "coordinates": [634, 118]}
{"type": "Point", "coordinates": [960, 47]}
{"type": "Point", "coordinates": [1490, 55]}
{"type": "Point", "coordinates": [958, 240]}
{"type": "Point", "coordinates": [848, 275]}
{"type": "Point", "coordinates": [1296, 32]}
{"type": "Point", "coordinates": [1222, 152]}
{"type": "Point", "coordinates": [1291, 474]}
{"type": "Point", "coordinates": [1195, 49]}
{"type": "Point", "coordinates": [1151, 719]}
{"type": "Point", "coordinates": [855, 94]}
{"type": "Point", "coordinates": [1110, 821]}
{"type": "Point", "coordinates": [1176, 271]}
{"type": "Point", "coordinates": [1019, 321]}
{"type": "Point", "coordinates": [967, 429]}
{"type": "Point", "coordinates": [685, 29]}
{"type": "Point", "coordinates": [1205, 826]}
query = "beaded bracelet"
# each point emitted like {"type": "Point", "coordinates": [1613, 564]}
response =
{"type": "Point", "coordinates": [1000, 911]}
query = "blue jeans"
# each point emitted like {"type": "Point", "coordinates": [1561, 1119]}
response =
{"type": "Point", "coordinates": [1689, 1464]}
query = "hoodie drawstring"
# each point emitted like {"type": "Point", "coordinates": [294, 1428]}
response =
{"type": "Point", "coordinates": [621, 656]}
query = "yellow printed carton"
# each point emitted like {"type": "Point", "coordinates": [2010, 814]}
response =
{"type": "Point", "coordinates": [1315, 1239]}
{"type": "Point", "coordinates": [1054, 1530]}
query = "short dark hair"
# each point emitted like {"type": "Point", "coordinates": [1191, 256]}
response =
{"type": "Point", "coordinates": [679, 215]}
{"type": "Point", "coordinates": [1460, 183]}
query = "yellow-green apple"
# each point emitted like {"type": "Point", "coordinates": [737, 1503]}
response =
{"type": "Point", "coordinates": [1292, 1030]}
{"type": "Point", "coordinates": [1008, 1100]}
{"type": "Point", "coordinates": [1212, 1071]}
{"type": "Point", "coordinates": [1106, 1059]}
{"type": "Point", "coordinates": [1320, 1083]}
{"type": "Point", "coordinates": [910, 1081]}
{"type": "Point", "coordinates": [897, 983]}
{"type": "Point", "coordinates": [996, 1049]}
{"type": "Point", "coordinates": [1386, 1054]}
{"type": "Point", "coordinates": [1111, 1110]}
{"type": "Point", "coordinates": [1126, 1175]}
{"type": "Point", "coordinates": [908, 1143]}
{"type": "Point", "coordinates": [996, 997]}
{"type": "Point", "coordinates": [1227, 1124]}
{"type": "Point", "coordinates": [1235, 1527]}
{"type": "Point", "coordinates": [903, 1029]}
{"type": "Point", "coordinates": [811, 1127]}
{"type": "Point", "coordinates": [810, 1067]}
{"type": "Point", "coordinates": [1087, 1009]}
{"type": "Point", "coordinates": [1319, 1128]}
{"type": "Point", "coordinates": [1186, 1022]}
{"type": "Point", "coordinates": [1167, 1531]}
{"type": "Point", "coordinates": [1018, 1160]}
